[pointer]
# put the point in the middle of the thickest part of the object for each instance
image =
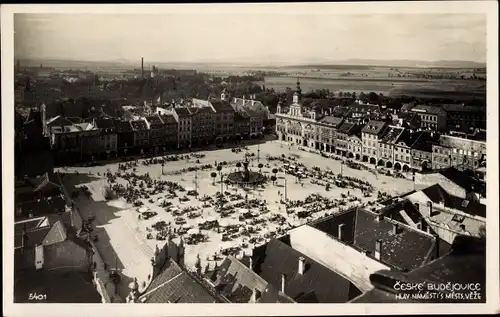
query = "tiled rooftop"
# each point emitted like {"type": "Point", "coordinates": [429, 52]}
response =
{"type": "Point", "coordinates": [391, 135]}
{"type": "Point", "coordinates": [331, 120]}
{"type": "Point", "coordinates": [174, 285]}
{"type": "Point", "coordinates": [405, 250]}
{"type": "Point", "coordinates": [464, 264]}
{"type": "Point", "coordinates": [429, 109]}
{"type": "Point", "coordinates": [317, 283]}
{"type": "Point", "coordinates": [182, 111]}
{"type": "Point", "coordinates": [155, 121]}
{"type": "Point", "coordinates": [139, 125]}
{"type": "Point", "coordinates": [236, 281]}
{"type": "Point", "coordinates": [373, 127]}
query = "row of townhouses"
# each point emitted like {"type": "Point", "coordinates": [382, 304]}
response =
{"type": "Point", "coordinates": [367, 137]}
{"type": "Point", "coordinates": [203, 122]}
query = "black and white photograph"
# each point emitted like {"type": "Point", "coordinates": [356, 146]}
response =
{"type": "Point", "coordinates": [253, 153]}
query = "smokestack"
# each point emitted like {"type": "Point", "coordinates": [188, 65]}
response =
{"type": "Point", "coordinates": [378, 249]}
{"type": "Point", "coordinates": [142, 67]}
{"type": "Point", "coordinates": [283, 281]}
{"type": "Point", "coordinates": [302, 264]}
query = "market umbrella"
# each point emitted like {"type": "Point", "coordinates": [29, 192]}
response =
{"type": "Point", "coordinates": [193, 231]}
{"type": "Point", "coordinates": [224, 222]}
{"type": "Point", "coordinates": [143, 209]}
{"type": "Point", "coordinates": [200, 221]}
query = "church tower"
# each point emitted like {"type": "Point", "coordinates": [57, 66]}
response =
{"type": "Point", "coordinates": [224, 96]}
{"type": "Point", "coordinates": [298, 93]}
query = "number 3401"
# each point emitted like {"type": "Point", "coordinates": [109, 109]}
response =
{"type": "Point", "coordinates": [36, 296]}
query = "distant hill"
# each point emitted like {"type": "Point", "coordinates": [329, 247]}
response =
{"type": "Point", "coordinates": [321, 64]}
{"type": "Point", "coordinates": [393, 63]}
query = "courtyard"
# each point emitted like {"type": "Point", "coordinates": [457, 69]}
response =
{"type": "Point", "coordinates": [164, 198]}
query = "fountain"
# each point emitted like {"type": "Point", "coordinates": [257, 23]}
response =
{"type": "Point", "coordinates": [246, 176]}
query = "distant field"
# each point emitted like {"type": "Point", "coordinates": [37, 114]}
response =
{"type": "Point", "coordinates": [386, 86]}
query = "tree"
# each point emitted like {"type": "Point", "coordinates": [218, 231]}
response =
{"type": "Point", "coordinates": [219, 168]}
{"type": "Point", "coordinates": [260, 167]}
{"type": "Point", "coordinates": [273, 179]}
{"type": "Point", "coordinates": [213, 175]}
{"type": "Point", "coordinates": [238, 165]}
{"type": "Point", "coordinates": [109, 193]}
{"type": "Point", "coordinates": [275, 171]}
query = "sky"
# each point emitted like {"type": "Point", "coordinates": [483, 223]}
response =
{"type": "Point", "coordinates": [250, 37]}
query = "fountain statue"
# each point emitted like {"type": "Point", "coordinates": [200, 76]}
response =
{"type": "Point", "coordinates": [246, 173]}
{"type": "Point", "coordinates": [246, 176]}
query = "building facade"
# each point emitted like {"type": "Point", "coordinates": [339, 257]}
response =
{"type": "Point", "coordinates": [156, 132]}
{"type": "Point", "coordinates": [431, 117]}
{"type": "Point", "coordinates": [108, 138]}
{"type": "Point", "coordinates": [141, 135]}
{"type": "Point", "coordinates": [371, 133]}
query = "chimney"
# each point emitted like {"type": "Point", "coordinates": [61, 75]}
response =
{"type": "Point", "coordinates": [431, 209]}
{"type": "Point", "coordinates": [283, 281]}
{"type": "Point", "coordinates": [142, 67]}
{"type": "Point", "coordinates": [395, 228]}
{"type": "Point", "coordinates": [436, 238]}
{"type": "Point", "coordinates": [341, 231]}
{"type": "Point", "coordinates": [378, 249]}
{"type": "Point", "coordinates": [255, 296]}
{"type": "Point", "coordinates": [302, 265]}
{"type": "Point", "coordinates": [423, 225]}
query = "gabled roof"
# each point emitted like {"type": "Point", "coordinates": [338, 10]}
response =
{"type": "Point", "coordinates": [47, 181]}
{"type": "Point", "coordinates": [391, 134]}
{"type": "Point", "coordinates": [327, 285]}
{"type": "Point", "coordinates": [182, 111]}
{"type": "Point", "coordinates": [463, 265]}
{"type": "Point", "coordinates": [460, 178]}
{"type": "Point", "coordinates": [374, 127]}
{"type": "Point", "coordinates": [174, 285]}
{"type": "Point", "coordinates": [332, 120]}
{"type": "Point", "coordinates": [154, 120]}
{"type": "Point", "coordinates": [240, 279]}
{"type": "Point", "coordinates": [139, 125]}
{"type": "Point", "coordinates": [30, 232]}
{"type": "Point", "coordinates": [438, 194]}
{"type": "Point", "coordinates": [169, 119]}
{"type": "Point", "coordinates": [221, 106]}
{"type": "Point", "coordinates": [406, 250]}
{"type": "Point", "coordinates": [429, 109]}
{"type": "Point", "coordinates": [56, 234]}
